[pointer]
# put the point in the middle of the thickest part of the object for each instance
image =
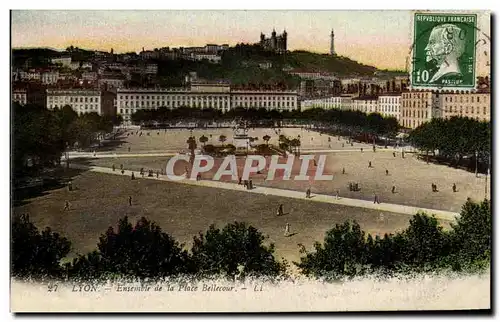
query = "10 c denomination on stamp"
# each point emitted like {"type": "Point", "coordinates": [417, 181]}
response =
{"type": "Point", "coordinates": [444, 54]}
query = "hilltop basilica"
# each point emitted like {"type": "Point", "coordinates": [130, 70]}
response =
{"type": "Point", "coordinates": [276, 43]}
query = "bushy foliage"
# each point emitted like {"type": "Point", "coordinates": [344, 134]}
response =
{"type": "Point", "coordinates": [36, 254]}
{"type": "Point", "coordinates": [423, 247]}
{"type": "Point", "coordinates": [142, 251]}
{"type": "Point", "coordinates": [236, 249]}
{"type": "Point", "coordinates": [40, 136]}
{"type": "Point", "coordinates": [454, 138]}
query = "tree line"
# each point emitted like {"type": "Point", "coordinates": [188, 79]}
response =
{"type": "Point", "coordinates": [42, 135]}
{"type": "Point", "coordinates": [356, 121]}
{"type": "Point", "coordinates": [238, 250]}
{"type": "Point", "coordinates": [455, 139]}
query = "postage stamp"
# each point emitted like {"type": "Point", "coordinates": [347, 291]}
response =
{"type": "Point", "coordinates": [444, 50]}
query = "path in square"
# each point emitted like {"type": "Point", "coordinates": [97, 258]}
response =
{"type": "Point", "coordinates": [395, 208]}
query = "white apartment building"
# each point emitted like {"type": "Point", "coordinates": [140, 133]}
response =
{"type": "Point", "coordinates": [210, 57]}
{"type": "Point", "coordinates": [20, 96]}
{"type": "Point", "coordinates": [218, 96]}
{"type": "Point", "coordinates": [475, 105]}
{"type": "Point", "coordinates": [364, 104]}
{"type": "Point", "coordinates": [324, 103]}
{"type": "Point", "coordinates": [151, 69]}
{"type": "Point", "coordinates": [389, 105]}
{"type": "Point", "coordinates": [31, 75]}
{"type": "Point", "coordinates": [111, 82]}
{"type": "Point", "coordinates": [89, 76]}
{"type": "Point", "coordinates": [64, 61]}
{"type": "Point", "coordinates": [49, 78]}
{"type": "Point", "coordinates": [81, 100]}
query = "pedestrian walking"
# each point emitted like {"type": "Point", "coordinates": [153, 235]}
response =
{"type": "Point", "coordinates": [454, 188]}
{"type": "Point", "coordinates": [70, 186]}
{"type": "Point", "coordinates": [157, 173]}
{"type": "Point", "coordinates": [121, 166]}
{"type": "Point", "coordinates": [66, 205]}
{"type": "Point", "coordinates": [369, 164]}
{"type": "Point", "coordinates": [343, 170]}
{"type": "Point", "coordinates": [130, 200]}
{"type": "Point", "coordinates": [240, 180]}
{"type": "Point", "coordinates": [350, 186]}
{"type": "Point", "coordinates": [342, 144]}
{"type": "Point", "coordinates": [113, 167]}
{"type": "Point", "coordinates": [352, 144]}
{"type": "Point", "coordinates": [287, 229]}
{"type": "Point", "coordinates": [308, 193]}
{"type": "Point", "coordinates": [132, 177]}
{"type": "Point", "coordinates": [337, 195]}
{"type": "Point", "coordinates": [403, 154]}
{"type": "Point", "coordinates": [280, 210]}
{"type": "Point", "coordinates": [123, 171]}
{"type": "Point", "coordinates": [361, 149]}
{"type": "Point", "coordinates": [393, 189]}
{"type": "Point", "coordinates": [386, 172]}
{"type": "Point", "coordinates": [375, 200]}
{"type": "Point", "coordinates": [374, 149]}
{"type": "Point", "coordinates": [128, 149]}
{"type": "Point", "coordinates": [394, 154]}
{"type": "Point", "coordinates": [198, 177]}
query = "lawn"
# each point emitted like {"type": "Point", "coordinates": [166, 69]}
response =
{"type": "Point", "coordinates": [100, 200]}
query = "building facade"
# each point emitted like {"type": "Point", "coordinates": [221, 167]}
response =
{"type": "Point", "coordinates": [199, 95]}
{"type": "Point", "coordinates": [49, 78]}
{"type": "Point", "coordinates": [389, 105]}
{"type": "Point", "coordinates": [365, 104]}
{"type": "Point", "coordinates": [334, 102]}
{"type": "Point", "coordinates": [80, 100]}
{"type": "Point", "coordinates": [418, 107]}
{"type": "Point", "coordinates": [20, 95]}
{"type": "Point", "coordinates": [472, 104]}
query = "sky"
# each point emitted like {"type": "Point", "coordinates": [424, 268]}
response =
{"type": "Point", "coordinates": [377, 38]}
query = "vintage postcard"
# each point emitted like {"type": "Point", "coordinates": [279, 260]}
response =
{"type": "Point", "coordinates": [250, 161]}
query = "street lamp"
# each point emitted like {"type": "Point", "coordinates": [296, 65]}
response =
{"type": "Point", "coordinates": [476, 163]}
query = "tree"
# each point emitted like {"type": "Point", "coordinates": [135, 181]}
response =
{"type": "Point", "coordinates": [36, 254]}
{"type": "Point", "coordinates": [471, 234]}
{"type": "Point", "coordinates": [203, 140]}
{"type": "Point", "coordinates": [142, 251]}
{"type": "Point", "coordinates": [425, 243]}
{"type": "Point", "coordinates": [235, 249]}
{"type": "Point", "coordinates": [222, 139]}
{"type": "Point", "coordinates": [266, 138]}
{"type": "Point", "coordinates": [343, 253]}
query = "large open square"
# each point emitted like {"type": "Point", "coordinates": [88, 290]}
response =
{"type": "Point", "coordinates": [412, 178]}
{"type": "Point", "coordinates": [183, 211]}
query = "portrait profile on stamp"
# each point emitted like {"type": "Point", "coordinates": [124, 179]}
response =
{"type": "Point", "coordinates": [444, 50]}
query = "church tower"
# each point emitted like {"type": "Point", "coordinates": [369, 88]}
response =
{"type": "Point", "coordinates": [332, 44]}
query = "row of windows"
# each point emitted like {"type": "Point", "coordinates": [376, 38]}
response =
{"type": "Point", "coordinates": [80, 106]}
{"type": "Point", "coordinates": [466, 99]}
{"type": "Point", "coordinates": [412, 123]}
{"type": "Point", "coordinates": [453, 109]}
{"type": "Point", "coordinates": [418, 114]}
{"type": "Point", "coordinates": [389, 108]}
{"type": "Point", "coordinates": [85, 99]}
{"type": "Point", "coordinates": [169, 97]}
{"type": "Point", "coordinates": [389, 100]}
{"type": "Point", "coordinates": [415, 104]}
